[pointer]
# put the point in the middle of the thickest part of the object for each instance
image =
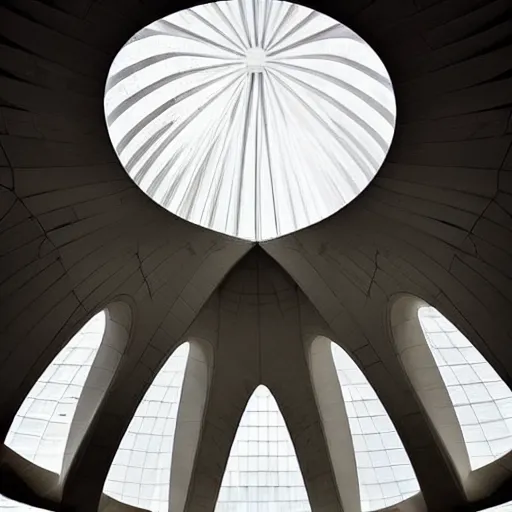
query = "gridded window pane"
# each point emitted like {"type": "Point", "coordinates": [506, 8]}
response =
{"type": "Point", "coordinates": [482, 401]}
{"type": "Point", "coordinates": [262, 473]}
{"type": "Point", "coordinates": [141, 471]}
{"type": "Point", "coordinates": [40, 430]}
{"type": "Point", "coordinates": [384, 470]}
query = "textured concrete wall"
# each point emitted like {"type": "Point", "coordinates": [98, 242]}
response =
{"type": "Point", "coordinates": [76, 235]}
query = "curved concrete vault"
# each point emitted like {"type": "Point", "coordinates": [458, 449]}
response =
{"type": "Point", "coordinates": [76, 236]}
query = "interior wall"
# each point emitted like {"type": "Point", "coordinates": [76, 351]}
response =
{"type": "Point", "coordinates": [76, 233]}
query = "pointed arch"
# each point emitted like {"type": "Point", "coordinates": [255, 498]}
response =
{"type": "Point", "coordinates": [40, 429]}
{"type": "Point", "coordinates": [423, 373]}
{"type": "Point", "coordinates": [141, 470]}
{"type": "Point", "coordinates": [384, 471]}
{"type": "Point", "coordinates": [52, 421]}
{"type": "Point", "coordinates": [482, 401]}
{"type": "Point", "coordinates": [262, 473]}
{"type": "Point", "coordinates": [335, 423]}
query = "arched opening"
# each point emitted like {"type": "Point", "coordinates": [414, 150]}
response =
{"type": "Point", "coordinates": [15, 506]}
{"type": "Point", "coordinates": [463, 396]}
{"type": "Point", "coordinates": [262, 473]}
{"type": "Point", "coordinates": [194, 393]}
{"type": "Point", "coordinates": [113, 346]}
{"type": "Point", "coordinates": [140, 473]}
{"type": "Point", "coordinates": [482, 401]}
{"type": "Point", "coordinates": [384, 471]}
{"type": "Point", "coordinates": [335, 422]}
{"type": "Point", "coordinates": [55, 415]}
{"type": "Point", "coordinates": [41, 427]}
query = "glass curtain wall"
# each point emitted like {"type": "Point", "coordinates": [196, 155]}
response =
{"type": "Point", "coordinates": [262, 473]}
{"type": "Point", "coordinates": [482, 401]}
{"type": "Point", "coordinates": [384, 470]}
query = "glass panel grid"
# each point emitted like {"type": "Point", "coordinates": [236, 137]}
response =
{"type": "Point", "coordinates": [40, 429]}
{"type": "Point", "coordinates": [262, 473]}
{"type": "Point", "coordinates": [482, 401]}
{"type": "Point", "coordinates": [384, 470]}
{"type": "Point", "coordinates": [141, 471]}
{"type": "Point", "coordinates": [254, 119]}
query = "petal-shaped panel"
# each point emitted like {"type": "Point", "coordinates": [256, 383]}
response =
{"type": "Point", "coordinates": [40, 429]}
{"type": "Point", "coordinates": [141, 470]}
{"type": "Point", "coordinates": [384, 470]}
{"type": "Point", "coordinates": [262, 473]}
{"type": "Point", "coordinates": [482, 401]}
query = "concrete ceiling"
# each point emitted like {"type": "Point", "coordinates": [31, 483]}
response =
{"type": "Point", "coordinates": [76, 234]}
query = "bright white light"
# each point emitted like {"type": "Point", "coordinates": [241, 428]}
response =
{"type": "Point", "coordinates": [482, 401]}
{"type": "Point", "coordinates": [262, 473]}
{"type": "Point", "coordinates": [254, 119]}
{"type": "Point", "coordinates": [41, 427]}
{"type": "Point", "coordinates": [384, 470]}
{"type": "Point", "coordinates": [256, 58]}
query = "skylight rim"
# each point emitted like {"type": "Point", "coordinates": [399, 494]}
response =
{"type": "Point", "coordinates": [239, 226]}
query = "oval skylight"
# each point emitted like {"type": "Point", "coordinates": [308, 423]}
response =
{"type": "Point", "coordinates": [251, 118]}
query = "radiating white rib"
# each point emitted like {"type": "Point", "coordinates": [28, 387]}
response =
{"type": "Point", "coordinates": [254, 119]}
{"type": "Point", "coordinates": [262, 473]}
{"type": "Point", "coordinates": [384, 470]}
{"type": "Point", "coordinates": [40, 429]}
{"type": "Point", "coordinates": [482, 401]}
{"type": "Point", "coordinates": [141, 471]}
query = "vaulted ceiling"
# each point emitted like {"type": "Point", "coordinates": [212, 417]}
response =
{"type": "Point", "coordinates": [76, 234]}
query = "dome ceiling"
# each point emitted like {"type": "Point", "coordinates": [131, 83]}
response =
{"type": "Point", "coordinates": [77, 235]}
{"type": "Point", "coordinates": [254, 119]}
